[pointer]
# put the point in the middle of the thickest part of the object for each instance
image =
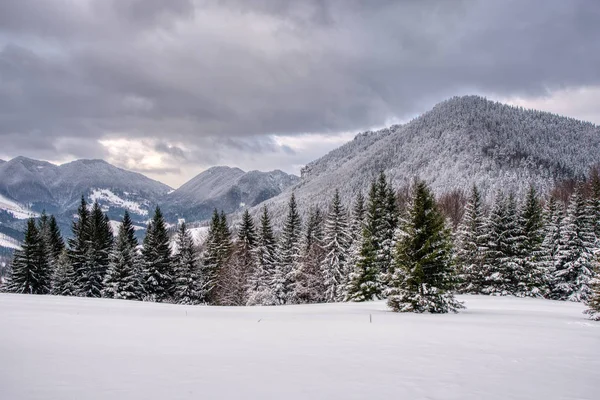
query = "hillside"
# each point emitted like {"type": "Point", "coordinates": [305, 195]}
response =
{"type": "Point", "coordinates": [106, 349]}
{"type": "Point", "coordinates": [460, 142]}
{"type": "Point", "coordinates": [224, 188]}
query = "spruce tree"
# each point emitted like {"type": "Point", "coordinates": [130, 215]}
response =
{"type": "Point", "coordinates": [594, 202]}
{"type": "Point", "coordinates": [336, 244]}
{"type": "Point", "coordinates": [261, 281]}
{"type": "Point", "coordinates": [423, 279]}
{"type": "Point", "coordinates": [370, 275]}
{"type": "Point", "coordinates": [471, 245]}
{"type": "Point", "coordinates": [593, 301]}
{"type": "Point", "coordinates": [363, 282]}
{"type": "Point", "coordinates": [55, 239]}
{"type": "Point", "coordinates": [188, 286]}
{"type": "Point", "coordinates": [289, 255]}
{"type": "Point", "coordinates": [78, 246]}
{"type": "Point", "coordinates": [235, 275]}
{"type": "Point", "coordinates": [503, 255]}
{"type": "Point", "coordinates": [62, 284]}
{"type": "Point", "coordinates": [357, 226]}
{"type": "Point", "coordinates": [553, 215]}
{"type": "Point", "coordinates": [216, 254]}
{"type": "Point", "coordinates": [157, 267]}
{"type": "Point", "coordinates": [530, 275]}
{"type": "Point", "coordinates": [574, 263]}
{"type": "Point", "coordinates": [31, 272]}
{"type": "Point", "coordinates": [100, 241]}
{"type": "Point", "coordinates": [122, 280]}
{"type": "Point", "coordinates": [308, 287]}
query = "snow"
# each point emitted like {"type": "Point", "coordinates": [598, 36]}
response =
{"type": "Point", "coordinates": [110, 197]}
{"type": "Point", "coordinates": [499, 348]}
{"type": "Point", "coordinates": [8, 242]}
{"type": "Point", "coordinates": [199, 234]}
{"type": "Point", "coordinates": [115, 225]}
{"type": "Point", "coordinates": [14, 208]}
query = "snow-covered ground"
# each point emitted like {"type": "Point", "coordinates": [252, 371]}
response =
{"type": "Point", "coordinates": [499, 348]}
{"type": "Point", "coordinates": [111, 198]}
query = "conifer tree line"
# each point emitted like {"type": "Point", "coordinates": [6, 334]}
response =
{"type": "Point", "coordinates": [383, 246]}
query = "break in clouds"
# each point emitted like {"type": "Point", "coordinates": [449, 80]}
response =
{"type": "Point", "coordinates": [171, 87]}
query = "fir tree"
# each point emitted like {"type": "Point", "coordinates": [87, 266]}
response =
{"type": "Point", "coordinates": [235, 275]}
{"type": "Point", "coordinates": [336, 244]}
{"type": "Point", "coordinates": [574, 269]}
{"type": "Point", "coordinates": [356, 231]}
{"type": "Point", "coordinates": [502, 250]}
{"type": "Point", "coordinates": [216, 255]}
{"type": "Point", "coordinates": [593, 301]}
{"type": "Point", "coordinates": [188, 286]}
{"type": "Point", "coordinates": [289, 255]}
{"type": "Point", "coordinates": [370, 275]}
{"type": "Point", "coordinates": [531, 276]}
{"type": "Point", "coordinates": [55, 239]}
{"type": "Point", "coordinates": [122, 280]}
{"type": "Point", "coordinates": [594, 202]}
{"type": "Point", "coordinates": [30, 270]}
{"type": "Point", "coordinates": [157, 271]}
{"type": "Point", "coordinates": [308, 287]}
{"type": "Point", "coordinates": [261, 281]}
{"type": "Point", "coordinates": [78, 246]}
{"type": "Point", "coordinates": [100, 241]}
{"type": "Point", "coordinates": [553, 216]}
{"type": "Point", "coordinates": [423, 280]}
{"type": "Point", "coordinates": [62, 284]}
{"type": "Point", "coordinates": [471, 245]}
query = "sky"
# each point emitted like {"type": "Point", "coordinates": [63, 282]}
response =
{"type": "Point", "coordinates": [170, 88]}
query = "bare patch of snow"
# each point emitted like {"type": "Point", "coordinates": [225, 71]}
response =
{"type": "Point", "coordinates": [8, 242]}
{"type": "Point", "coordinates": [110, 197]}
{"type": "Point", "coordinates": [15, 209]}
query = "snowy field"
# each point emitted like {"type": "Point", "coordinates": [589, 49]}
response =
{"type": "Point", "coordinates": [499, 348]}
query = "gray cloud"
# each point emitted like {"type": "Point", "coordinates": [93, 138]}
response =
{"type": "Point", "coordinates": [204, 78]}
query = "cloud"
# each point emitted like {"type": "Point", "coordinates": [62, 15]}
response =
{"type": "Point", "coordinates": [201, 81]}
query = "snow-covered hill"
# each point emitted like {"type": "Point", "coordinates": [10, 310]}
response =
{"type": "Point", "coordinates": [499, 348]}
{"type": "Point", "coordinates": [460, 142]}
{"type": "Point", "coordinates": [224, 188]}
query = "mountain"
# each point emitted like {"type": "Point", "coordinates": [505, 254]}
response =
{"type": "Point", "coordinates": [27, 187]}
{"type": "Point", "coordinates": [225, 188]}
{"type": "Point", "coordinates": [460, 142]}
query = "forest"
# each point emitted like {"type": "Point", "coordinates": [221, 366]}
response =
{"type": "Point", "coordinates": [399, 244]}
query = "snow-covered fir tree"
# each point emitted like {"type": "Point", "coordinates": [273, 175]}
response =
{"type": "Point", "coordinates": [471, 243]}
{"type": "Point", "coordinates": [593, 301]}
{"type": "Point", "coordinates": [157, 267]}
{"type": "Point", "coordinates": [531, 274]}
{"type": "Point", "coordinates": [369, 277]}
{"type": "Point", "coordinates": [594, 201]}
{"type": "Point", "coordinates": [31, 272]}
{"type": "Point", "coordinates": [336, 243]}
{"type": "Point", "coordinates": [215, 256]}
{"type": "Point", "coordinates": [553, 215]}
{"type": "Point", "coordinates": [122, 280]}
{"type": "Point", "coordinates": [357, 226]}
{"type": "Point", "coordinates": [424, 278]}
{"type": "Point", "coordinates": [235, 275]}
{"type": "Point", "coordinates": [308, 284]}
{"type": "Point", "coordinates": [186, 267]}
{"type": "Point", "coordinates": [78, 245]}
{"type": "Point", "coordinates": [574, 258]}
{"type": "Point", "coordinates": [100, 241]}
{"type": "Point", "coordinates": [62, 284]}
{"type": "Point", "coordinates": [502, 254]}
{"type": "Point", "coordinates": [289, 253]}
{"type": "Point", "coordinates": [261, 281]}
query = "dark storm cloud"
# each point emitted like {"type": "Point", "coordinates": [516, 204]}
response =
{"type": "Point", "coordinates": [216, 75]}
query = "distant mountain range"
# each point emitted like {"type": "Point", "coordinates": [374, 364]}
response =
{"type": "Point", "coordinates": [460, 142]}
